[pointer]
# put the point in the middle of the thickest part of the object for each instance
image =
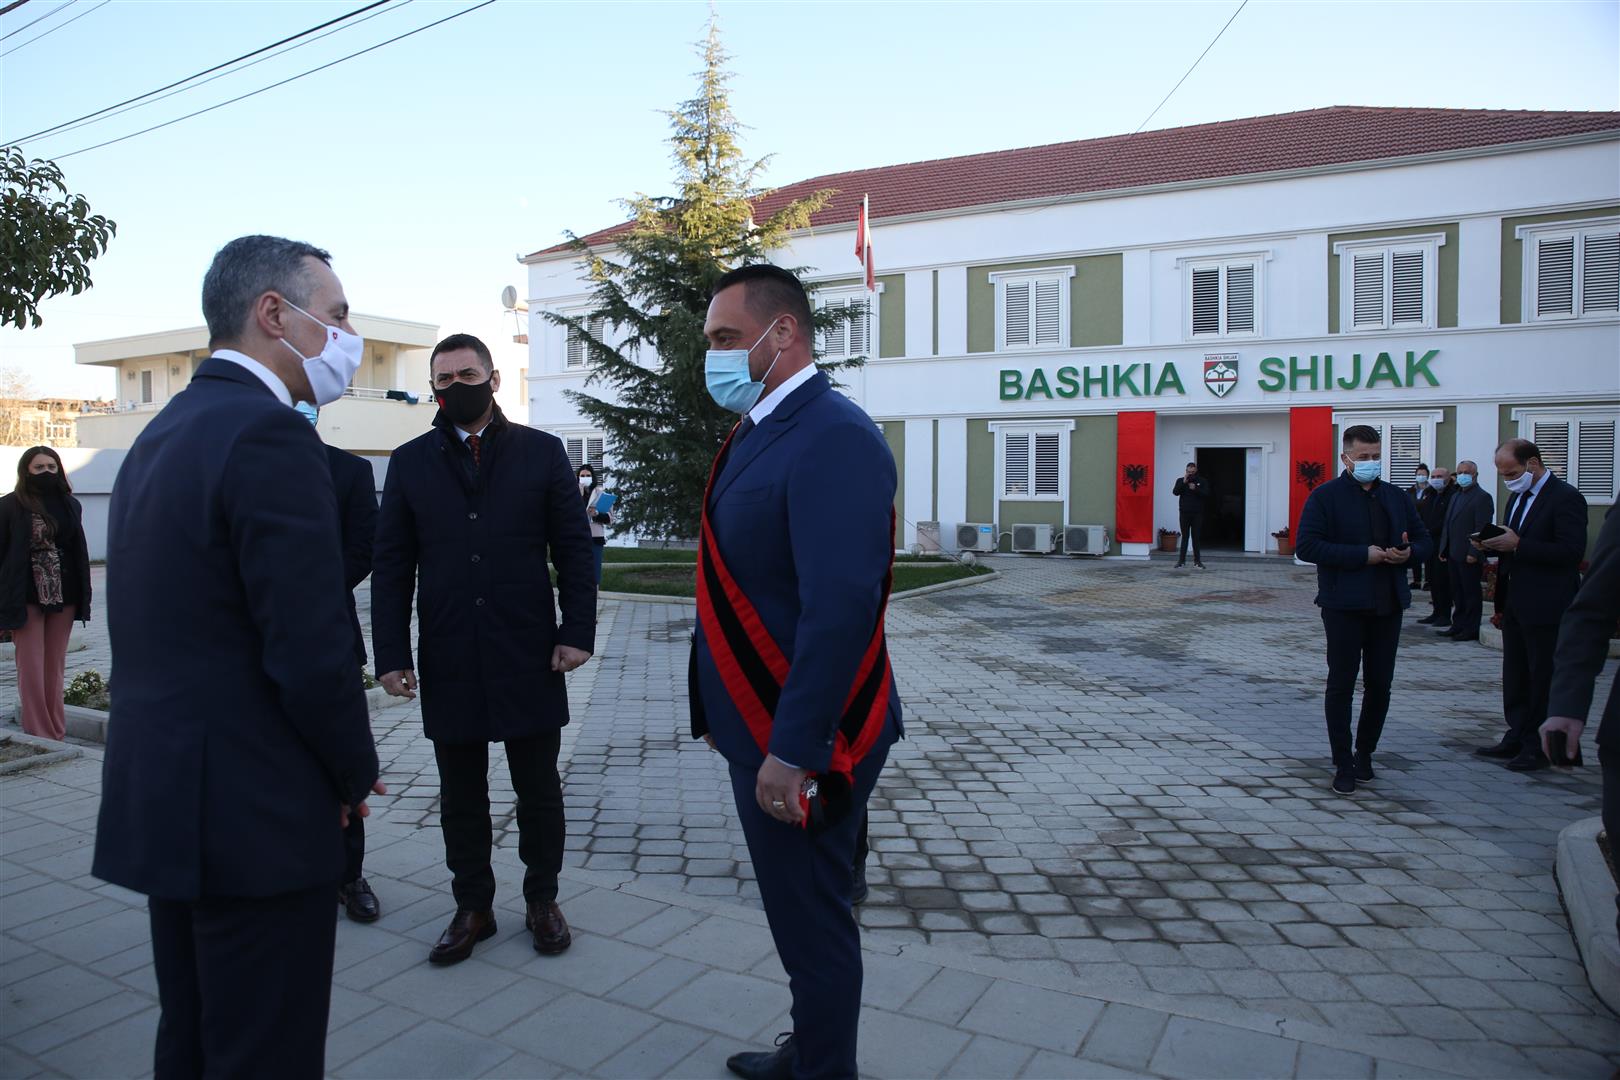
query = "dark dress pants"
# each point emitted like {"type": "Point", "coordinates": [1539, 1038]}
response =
{"type": "Point", "coordinates": [804, 882]}
{"type": "Point", "coordinates": [1439, 589]}
{"type": "Point", "coordinates": [245, 984]}
{"type": "Point", "coordinates": [1467, 595]}
{"type": "Point", "coordinates": [1527, 670]}
{"type": "Point", "coordinates": [468, 833]}
{"type": "Point", "coordinates": [1609, 760]}
{"type": "Point", "coordinates": [354, 849]}
{"type": "Point", "coordinates": [1192, 528]}
{"type": "Point", "coordinates": [1358, 641]}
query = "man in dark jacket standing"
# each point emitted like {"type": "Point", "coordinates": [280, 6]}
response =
{"type": "Point", "coordinates": [1536, 579]}
{"type": "Point", "coordinates": [472, 510]}
{"type": "Point", "coordinates": [1193, 491]}
{"type": "Point", "coordinates": [1360, 533]}
{"type": "Point", "coordinates": [1583, 644]}
{"type": "Point", "coordinates": [356, 488]}
{"type": "Point", "coordinates": [1432, 507]}
{"type": "Point", "coordinates": [239, 742]}
{"type": "Point", "coordinates": [1470, 510]}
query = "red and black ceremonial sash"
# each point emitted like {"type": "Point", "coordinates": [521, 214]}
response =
{"type": "Point", "coordinates": [752, 666]}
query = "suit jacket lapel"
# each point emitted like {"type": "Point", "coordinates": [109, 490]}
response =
{"type": "Point", "coordinates": [1533, 512]}
{"type": "Point", "coordinates": [781, 420]}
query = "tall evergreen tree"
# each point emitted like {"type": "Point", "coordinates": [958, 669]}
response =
{"type": "Point", "coordinates": [653, 285]}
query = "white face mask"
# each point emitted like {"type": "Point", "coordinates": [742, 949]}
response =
{"type": "Point", "coordinates": [1521, 483]}
{"type": "Point", "coordinates": [329, 371]}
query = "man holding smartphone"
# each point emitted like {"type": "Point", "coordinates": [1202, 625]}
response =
{"type": "Point", "coordinates": [1360, 532]}
{"type": "Point", "coordinates": [1470, 511]}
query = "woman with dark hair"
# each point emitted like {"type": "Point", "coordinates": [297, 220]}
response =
{"type": "Point", "coordinates": [44, 583]}
{"type": "Point", "coordinates": [591, 492]}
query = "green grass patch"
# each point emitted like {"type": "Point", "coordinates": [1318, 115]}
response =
{"type": "Point", "coordinates": [917, 574]}
{"type": "Point", "coordinates": [678, 581]}
{"type": "Point", "coordinates": [612, 555]}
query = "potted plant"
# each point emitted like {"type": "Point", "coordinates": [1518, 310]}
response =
{"type": "Point", "coordinates": [1169, 540]}
{"type": "Point", "coordinates": [1285, 541]}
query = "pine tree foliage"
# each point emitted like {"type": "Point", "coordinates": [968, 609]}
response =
{"type": "Point", "coordinates": [651, 287]}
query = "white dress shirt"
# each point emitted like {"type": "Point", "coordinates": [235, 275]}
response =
{"type": "Point", "coordinates": [1521, 509]}
{"type": "Point", "coordinates": [769, 402]}
{"type": "Point", "coordinates": [262, 373]}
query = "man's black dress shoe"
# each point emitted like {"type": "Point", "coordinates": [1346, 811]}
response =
{"type": "Point", "coordinates": [551, 934]}
{"type": "Point", "coordinates": [1503, 749]}
{"type": "Point", "coordinates": [359, 901]}
{"type": "Point", "coordinates": [1364, 769]}
{"type": "Point", "coordinates": [765, 1064]}
{"type": "Point", "coordinates": [1529, 761]}
{"type": "Point", "coordinates": [466, 929]}
{"type": "Point", "coordinates": [1465, 637]}
{"type": "Point", "coordinates": [1450, 631]}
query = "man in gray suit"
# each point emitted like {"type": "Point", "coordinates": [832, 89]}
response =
{"type": "Point", "coordinates": [1471, 509]}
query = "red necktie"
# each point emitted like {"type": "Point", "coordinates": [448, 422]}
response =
{"type": "Point", "coordinates": [472, 444]}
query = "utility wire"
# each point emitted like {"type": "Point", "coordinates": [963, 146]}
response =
{"type": "Point", "coordinates": [1189, 71]}
{"type": "Point", "coordinates": [54, 29]}
{"type": "Point", "coordinates": [42, 18]}
{"type": "Point", "coordinates": [138, 103]}
{"type": "Point", "coordinates": [198, 75]}
{"type": "Point", "coordinates": [283, 82]}
{"type": "Point", "coordinates": [13, 6]}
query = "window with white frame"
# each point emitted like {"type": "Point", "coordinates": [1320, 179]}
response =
{"type": "Point", "coordinates": [1408, 441]}
{"type": "Point", "coordinates": [584, 450]}
{"type": "Point", "coordinates": [1572, 269]}
{"type": "Point", "coordinates": [1578, 445]}
{"type": "Point", "coordinates": [1032, 308]}
{"type": "Point", "coordinates": [1389, 284]}
{"type": "Point", "coordinates": [595, 325]}
{"type": "Point", "coordinates": [857, 334]}
{"type": "Point", "coordinates": [1223, 296]}
{"type": "Point", "coordinates": [1032, 461]}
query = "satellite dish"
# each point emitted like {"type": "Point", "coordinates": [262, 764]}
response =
{"type": "Point", "coordinates": [509, 298]}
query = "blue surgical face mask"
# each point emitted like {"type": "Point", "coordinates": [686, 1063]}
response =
{"type": "Point", "coordinates": [1437, 483]}
{"type": "Point", "coordinates": [307, 411]}
{"type": "Point", "coordinates": [1465, 479]}
{"type": "Point", "coordinates": [730, 383]}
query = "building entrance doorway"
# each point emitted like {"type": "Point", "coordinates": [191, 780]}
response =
{"type": "Point", "coordinates": [1226, 510]}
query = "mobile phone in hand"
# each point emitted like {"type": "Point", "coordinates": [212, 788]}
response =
{"type": "Point", "coordinates": [1558, 747]}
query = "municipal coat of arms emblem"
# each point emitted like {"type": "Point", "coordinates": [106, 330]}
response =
{"type": "Point", "coordinates": [1221, 374]}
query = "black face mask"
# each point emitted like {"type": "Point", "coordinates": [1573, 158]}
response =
{"type": "Point", "coordinates": [464, 403]}
{"type": "Point", "coordinates": [44, 483]}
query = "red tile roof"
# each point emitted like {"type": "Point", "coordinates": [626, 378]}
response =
{"type": "Point", "coordinates": [1340, 135]}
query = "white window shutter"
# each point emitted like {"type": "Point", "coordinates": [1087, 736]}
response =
{"type": "Point", "coordinates": [835, 340]}
{"type": "Point", "coordinates": [1600, 272]}
{"type": "Point", "coordinates": [1017, 464]}
{"type": "Point", "coordinates": [860, 326]}
{"type": "Point", "coordinates": [1555, 276]}
{"type": "Point", "coordinates": [1048, 312]}
{"type": "Point", "coordinates": [1046, 463]}
{"type": "Point", "coordinates": [1552, 439]}
{"type": "Point", "coordinates": [1239, 299]}
{"type": "Point", "coordinates": [1367, 289]}
{"type": "Point", "coordinates": [1015, 319]}
{"type": "Point", "coordinates": [576, 349]}
{"type": "Point", "coordinates": [597, 327]}
{"type": "Point", "coordinates": [1594, 462]}
{"type": "Point", "coordinates": [576, 451]}
{"type": "Point", "coordinates": [1406, 302]}
{"type": "Point", "coordinates": [1403, 446]}
{"type": "Point", "coordinates": [1206, 301]}
{"type": "Point", "coordinates": [593, 451]}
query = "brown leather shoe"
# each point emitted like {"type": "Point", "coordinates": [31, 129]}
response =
{"type": "Point", "coordinates": [550, 929]}
{"type": "Point", "coordinates": [465, 930]}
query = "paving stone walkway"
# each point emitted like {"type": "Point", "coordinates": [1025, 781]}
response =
{"type": "Point", "coordinates": [1114, 788]}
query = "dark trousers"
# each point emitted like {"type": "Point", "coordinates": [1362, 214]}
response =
{"type": "Point", "coordinates": [1439, 589]}
{"type": "Point", "coordinates": [1192, 528]}
{"type": "Point", "coordinates": [354, 848]}
{"type": "Point", "coordinates": [468, 833]}
{"type": "Point", "coordinates": [1467, 594]}
{"type": "Point", "coordinates": [1365, 642]}
{"type": "Point", "coordinates": [1417, 575]}
{"type": "Point", "coordinates": [1609, 759]}
{"type": "Point", "coordinates": [804, 882]}
{"type": "Point", "coordinates": [245, 984]}
{"type": "Point", "coordinates": [1527, 669]}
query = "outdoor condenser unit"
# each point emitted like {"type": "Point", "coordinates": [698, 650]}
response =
{"type": "Point", "coordinates": [975, 536]}
{"type": "Point", "coordinates": [928, 536]}
{"type": "Point", "coordinates": [1032, 539]}
{"type": "Point", "coordinates": [1085, 540]}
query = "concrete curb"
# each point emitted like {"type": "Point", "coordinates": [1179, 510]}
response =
{"type": "Point", "coordinates": [91, 724]}
{"type": "Point", "coordinates": [977, 579]}
{"type": "Point", "coordinates": [54, 752]}
{"type": "Point", "coordinates": [1588, 890]}
{"type": "Point", "coordinates": [648, 598]}
{"type": "Point", "coordinates": [687, 601]}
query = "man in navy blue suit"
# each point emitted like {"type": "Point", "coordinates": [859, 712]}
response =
{"type": "Point", "coordinates": [790, 672]}
{"type": "Point", "coordinates": [239, 744]}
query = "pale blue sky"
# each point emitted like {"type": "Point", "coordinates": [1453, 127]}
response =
{"type": "Point", "coordinates": [427, 166]}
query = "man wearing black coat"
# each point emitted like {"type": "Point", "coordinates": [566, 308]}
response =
{"type": "Point", "coordinates": [1583, 644]}
{"type": "Point", "coordinates": [1470, 511]}
{"type": "Point", "coordinates": [1193, 492]}
{"type": "Point", "coordinates": [1433, 503]}
{"type": "Point", "coordinates": [239, 743]}
{"type": "Point", "coordinates": [470, 513]}
{"type": "Point", "coordinates": [1360, 532]}
{"type": "Point", "coordinates": [1536, 580]}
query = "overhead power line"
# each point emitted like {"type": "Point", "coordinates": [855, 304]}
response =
{"type": "Point", "coordinates": [198, 75]}
{"type": "Point", "coordinates": [42, 18]}
{"type": "Point", "coordinates": [283, 82]}
{"type": "Point", "coordinates": [54, 29]}
{"type": "Point", "coordinates": [13, 6]}
{"type": "Point", "coordinates": [1189, 71]}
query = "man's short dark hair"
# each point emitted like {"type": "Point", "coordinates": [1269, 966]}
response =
{"type": "Point", "coordinates": [457, 342]}
{"type": "Point", "coordinates": [247, 268]}
{"type": "Point", "coordinates": [1362, 433]}
{"type": "Point", "coordinates": [772, 291]}
{"type": "Point", "coordinates": [1523, 450]}
{"type": "Point", "coordinates": [1422, 466]}
{"type": "Point", "coordinates": [1192, 464]}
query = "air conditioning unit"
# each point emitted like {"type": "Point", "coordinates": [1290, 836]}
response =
{"type": "Point", "coordinates": [928, 536]}
{"type": "Point", "coordinates": [1085, 540]}
{"type": "Point", "coordinates": [1032, 539]}
{"type": "Point", "coordinates": [975, 536]}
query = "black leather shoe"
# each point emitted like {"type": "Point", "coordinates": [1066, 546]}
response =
{"type": "Point", "coordinates": [466, 929]}
{"type": "Point", "coordinates": [1449, 632]}
{"type": "Point", "coordinates": [1344, 781]}
{"type": "Point", "coordinates": [1529, 761]}
{"type": "Point", "coordinates": [1465, 637]}
{"type": "Point", "coordinates": [1435, 620]}
{"type": "Point", "coordinates": [551, 934]}
{"type": "Point", "coordinates": [359, 901]}
{"type": "Point", "coordinates": [765, 1065]}
{"type": "Point", "coordinates": [1364, 769]}
{"type": "Point", "coordinates": [1503, 749]}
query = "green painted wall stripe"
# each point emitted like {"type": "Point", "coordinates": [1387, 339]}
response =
{"type": "Point", "coordinates": [1513, 254]}
{"type": "Point", "coordinates": [894, 433]}
{"type": "Point", "coordinates": [1446, 310]}
{"type": "Point", "coordinates": [1093, 460]}
{"type": "Point", "coordinates": [981, 465]}
{"type": "Point", "coordinates": [1096, 300]}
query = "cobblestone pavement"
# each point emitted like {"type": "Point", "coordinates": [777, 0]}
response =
{"type": "Point", "coordinates": [1116, 774]}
